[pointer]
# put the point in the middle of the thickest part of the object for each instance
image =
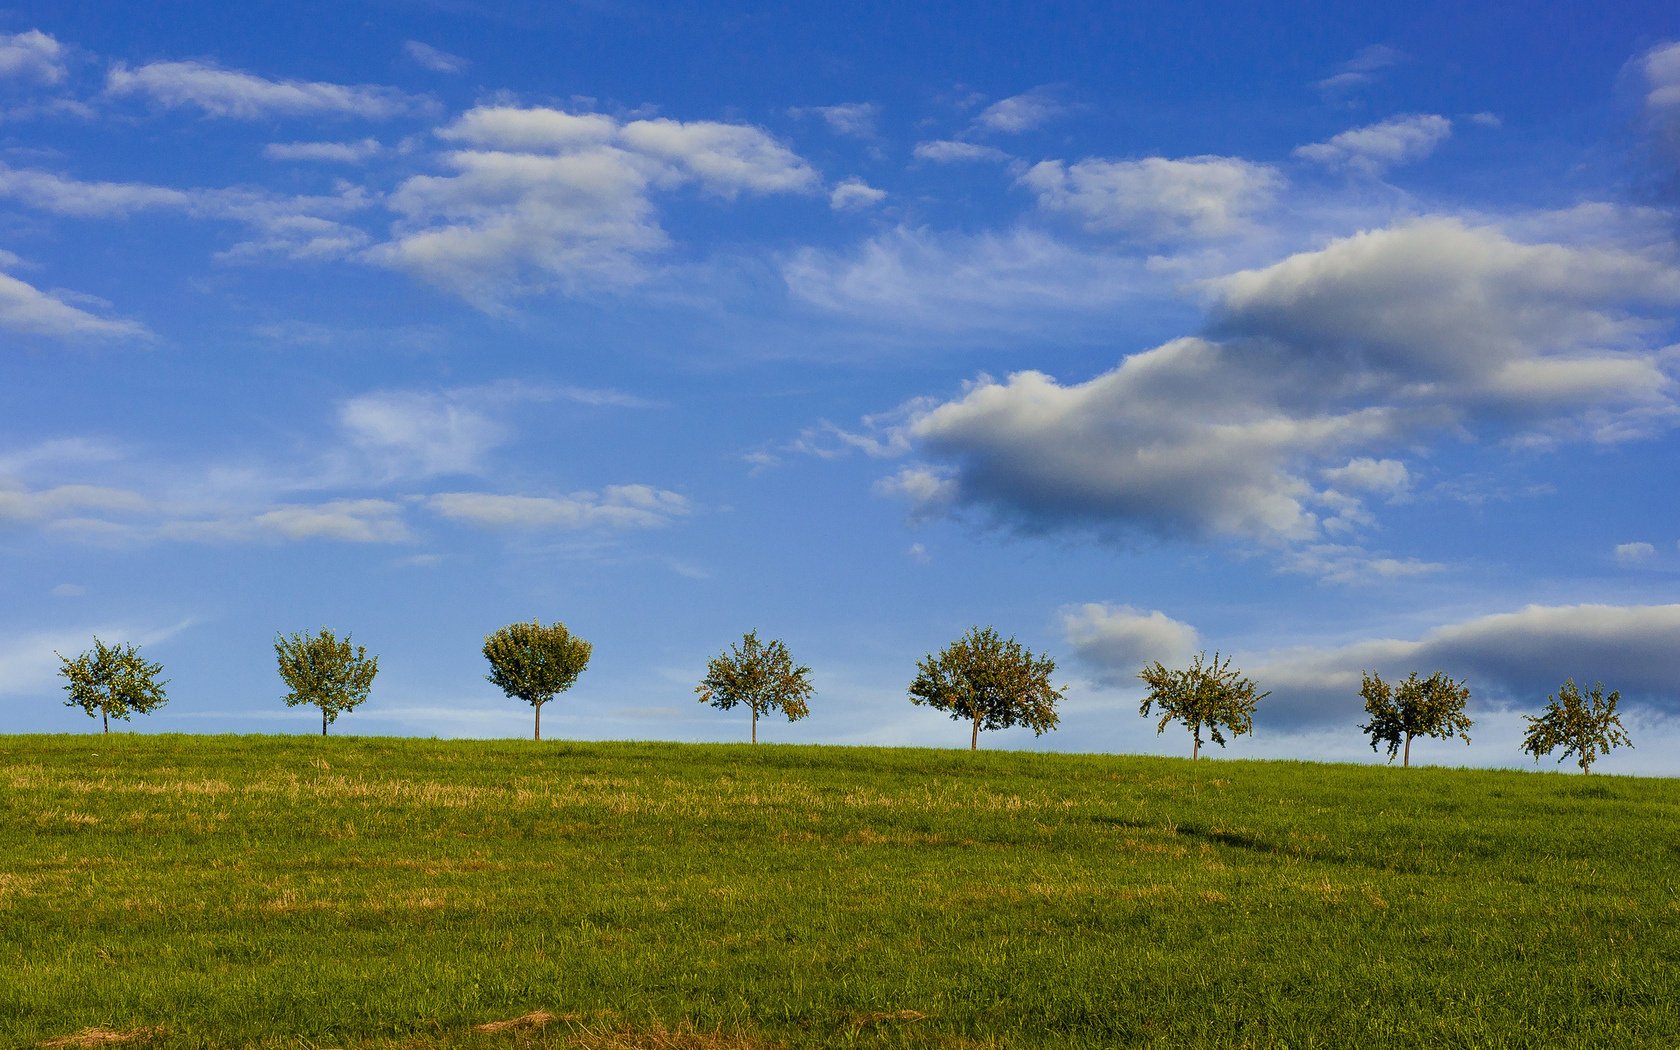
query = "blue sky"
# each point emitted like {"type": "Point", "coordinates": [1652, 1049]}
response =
{"type": "Point", "coordinates": [1332, 339]}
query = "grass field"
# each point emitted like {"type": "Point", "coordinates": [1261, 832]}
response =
{"type": "Point", "coordinates": [259, 891]}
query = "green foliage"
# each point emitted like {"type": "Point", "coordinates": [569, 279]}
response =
{"type": "Point", "coordinates": [1209, 695]}
{"type": "Point", "coordinates": [534, 663]}
{"type": "Point", "coordinates": [1432, 706]}
{"type": "Point", "coordinates": [989, 682]}
{"type": "Point", "coordinates": [113, 681]}
{"type": "Point", "coordinates": [1584, 725]}
{"type": "Point", "coordinates": [760, 675]}
{"type": "Point", "coordinates": [377, 893]}
{"type": "Point", "coordinates": [324, 672]}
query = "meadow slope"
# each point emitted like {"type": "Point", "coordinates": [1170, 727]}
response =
{"type": "Point", "coordinates": [261, 891]}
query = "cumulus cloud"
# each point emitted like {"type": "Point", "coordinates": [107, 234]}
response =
{"type": "Point", "coordinates": [32, 56]}
{"type": "Point", "coordinates": [1374, 148]}
{"type": "Point", "coordinates": [27, 311]}
{"type": "Point", "coordinates": [1020, 113]}
{"type": "Point", "coordinates": [615, 507]}
{"type": "Point", "coordinates": [1661, 66]}
{"type": "Point", "coordinates": [1156, 197]}
{"type": "Point", "coordinates": [540, 197]}
{"type": "Point", "coordinates": [428, 57]}
{"type": "Point", "coordinates": [949, 151]}
{"type": "Point", "coordinates": [956, 281]}
{"type": "Point", "coordinates": [1509, 658]}
{"type": "Point", "coordinates": [235, 95]}
{"type": "Point", "coordinates": [1116, 641]}
{"type": "Point", "coordinates": [1383, 341]}
{"type": "Point", "coordinates": [855, 194]}
{"type": "Point", "coordinates": [330, 152]}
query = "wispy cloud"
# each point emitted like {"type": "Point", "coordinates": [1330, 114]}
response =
{"type": "Point", "coordinates": [428, 57]}
{"type": "Point", "coordinates": [850, 119]}
{"type": "Point", "coordinates": [236, 95]}
{"type": "Point", "coordinates": [1020, 113]}
{"type": "Point", "coordinates": [329, 152]}
{"type": "Point", "coordinates": [28, 311]}
{"type": "Point", "coordinates": [1361, 70]}
{"type": "Point", "coordinates": [1374, 148]}
{"type": "Point", "coordinates": [1156, 197]}
{"type": "Point", "coordinates": [951, 151]}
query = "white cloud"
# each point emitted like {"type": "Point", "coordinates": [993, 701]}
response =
{"type": "Point", "coordinates": [244, 96]}
{"type": "Point", "coordinates": [948, 151]}
{"type": "Point", "coordinates": [1661, 65]}
{"type": "Point", "coordinates": [1385, 340]}
{"type": "Point", "coordinates": [1516, 657]}
{"type": "Point", "coordinates": [1634, 553]}
{"type": "Point", "coordinates": [954, 281]}
{"type": "Point", "coordinates": [1360, 70]}
{"type": "Point", "coordinates": [1020, 113]}
{"type": "Point", "coordinates": [1373, 149]}
{"type": "Point", "coordinates": [1116, 641]}
{"type": "Point", "coordinates": [616, 507]}
{"type": "Point", "coordinates": [330, 152]}
{"type": "Point", "coordinates": [854, 194]}
{"type": "Point", "coordinates": [348, 521]}
{"type": "Point", "coordinates": [69, 590]}
{"type": "Point", "coordinates": [428, 57]}
{"type": "Point", "coordinates": [26, 310]}
{"type": "Point", "coordinates": [31, 56]}
{"type": "Point", "coordinates": [1156, 197]}
{"type": "Point", "coordinates": [20, 504]}
{"type": "Point", "coordinates": [851, 119]}
{"type": "Point", "coordinates": [407, 433]}
{"type": "Point", "coordinates": [29, 662]}
{"type": "Point", "coordinates": [545, 198]}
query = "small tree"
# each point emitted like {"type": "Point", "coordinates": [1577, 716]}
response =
{"type": "Point", "coordinates": [534, 663]}
{"type": "Point", "coordinates": [1584, 725]}
{"type": "Point", "coordinates": [324, 672]}
{"type": "Point", "coordinates": [1209, 695]}
{"type": "Point", "coordinates": [990, 683]}
{"type": "Point", "coordinates": [760, 675]}
{"type": "Point", "coordinates": [112, 680]}
{"type": "Point", "coordinates": [1432, 706]}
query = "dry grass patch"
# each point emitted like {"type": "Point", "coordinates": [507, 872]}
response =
{"type": "Point", "coordinates": [104, 1037]}
{"type": "Point", "coordinates": [659, 1037]}
{"type": "Point", "coordinates": [534, 1019]}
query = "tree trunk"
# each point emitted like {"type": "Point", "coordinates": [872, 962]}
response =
{"type": "Point", "coordinates": [323, 721]}
{"type": "Point", "coordinates": [974, 738]}
{"type": "Point", "coordinates": [755, 725]}
{"type": "Point", "coordinates": [538, 735]}
{"type": "Point", "coordinates": [1195, 745]}
{"type": "Point", "coordinates": [107, 716]}
{"type": "Point", "coordinates": [1406, 763]}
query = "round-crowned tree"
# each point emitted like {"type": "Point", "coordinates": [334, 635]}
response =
{"type": "Point", "coordinates": [760, 675]}
{"type": "Point", "coordinates": [534, 663]}
{"type": "Point", "coordinates": [989, 682]}
{"type": "Point", "coordinates": [112, 681]}
{"type": "Point", "coordinates": [325, 671]}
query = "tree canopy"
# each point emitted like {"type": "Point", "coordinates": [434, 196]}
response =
{"type": "Point", "coordinates": [1209, 694]}
{"type": "Point", "coordinates": [325, 672]}
{"type": "Point", "coordinates": [989, 682]}
{"type": "Point", "coordinates": [534, 663]}
{"type": "Point", "coordinates": [1583, 724]}
{"type": "Point", "coordinates": [761, 675]}
{"type": "Point", "coordinates": [113, 681]}
{"type": "Point", "coordinates": [1432, 706]}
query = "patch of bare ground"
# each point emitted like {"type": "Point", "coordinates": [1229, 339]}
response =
{"type": "Point", "coordinates": [103, 1037]}
{"type": "Point", "coordinates": [534, 1019]}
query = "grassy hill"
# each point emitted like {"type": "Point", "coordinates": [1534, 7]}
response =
{"type": "Point", "coordinates": [259, 891]}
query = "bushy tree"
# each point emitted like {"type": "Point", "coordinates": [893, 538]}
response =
{"type": "Point", "coordinates": [1583, 724]}
{"type": "Point", "coordinates": [760, 675]}
{"type": "Point", "coordinates": [1209, 694]}
{"type": "Point", "coordinates": [534, 663]}
{"type": "Point", "coordinates": [989, 682]}
{"type": "Point", "coordinates": [1432, 706]}
{"type": "Point", "coordinates": [324, 672]}
{"type": "Point", "coordinates": [113, 681]}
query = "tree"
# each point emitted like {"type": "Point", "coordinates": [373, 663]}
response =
{"type": "Point", "coordinates": [324, 672]}
{"type": "Point", "coordinates": [534, 663]}
{"type": "Point", "coordinates": [1432, 706]}
{"type": "Point", "coordinates": [1584, 725]}
{"type": "Point", "coordinates": [1209, 695]}
{"type": "Point", "coordinates": [762, 676]}
{"type": "Point", "coordinates": [989, 682]}
{"type": "Point", "coordinates": [112, 680]}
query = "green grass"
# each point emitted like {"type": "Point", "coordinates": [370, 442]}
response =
{"type": "Point", "coordinates": [261, 891]}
